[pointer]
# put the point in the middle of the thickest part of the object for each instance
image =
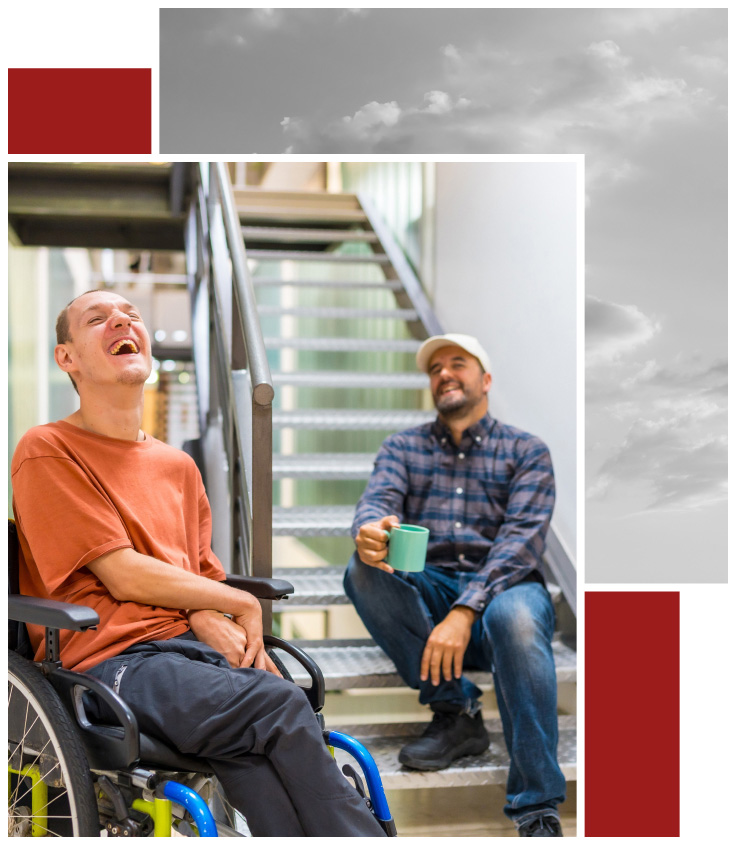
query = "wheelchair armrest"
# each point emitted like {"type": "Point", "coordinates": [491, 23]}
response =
{"type": "Point", "coordinates": [315, 693]}
{"type": "Point", "coordinates": [261, 588]}
{"type": "Point", "coordinates": [107, 746]}
{"type": "Point", "coordinates": [51, 614]}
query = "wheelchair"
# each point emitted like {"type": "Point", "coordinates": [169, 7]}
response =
{"type": "Point", "coordinates": [70, 776]}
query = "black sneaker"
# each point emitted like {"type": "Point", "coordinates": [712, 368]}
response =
{"type": "Point", "coordinates": [548, 824]}
{"type": "Point", "coordinates": [448, 736]}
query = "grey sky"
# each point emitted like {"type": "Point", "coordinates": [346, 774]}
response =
{"type": "Point", "coordinates": [642, 93]}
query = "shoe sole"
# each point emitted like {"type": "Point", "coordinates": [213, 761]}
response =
{"type": "Point", "coordinates": [469, 748]}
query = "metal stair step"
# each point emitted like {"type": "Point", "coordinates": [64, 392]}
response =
{"type": "Point", "coordinates": [324, 465]}
{"type": "Point", "coordinates": [314, 586]}
{"type": "Point", "coordinates": [331, 257]}
{"type": "Point", "coordinates": [406, 314]}
{"type": "Point", "coordinates": [265, 207]}
{"type": "Point", "coordinates": [344, 378]}
{"type": "Point", "coordinates": [384, 741]}
{"type": "Point", "coordinates": [357, 284]}
{"type": "Point", "coordinates": [304, 214]}
{"type": "Point", "coordinates": [282, 234]}
{"type": "Point", "coordinates": [322, 585]}
{"type": "Point", "coordinates": [313, 521]}
{"type": "Point", "coordinates": [361, 664]}
{"type": "Point", "coordinates": [328, 419]}
{"type": "Point", "coordinates": [342, 344]}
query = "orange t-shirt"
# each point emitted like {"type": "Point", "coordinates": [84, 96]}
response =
{"type": "Point", "coordinates": [78, 495]}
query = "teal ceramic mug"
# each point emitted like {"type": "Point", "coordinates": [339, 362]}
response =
{"type": "Point", "coordinates": [407, 547]}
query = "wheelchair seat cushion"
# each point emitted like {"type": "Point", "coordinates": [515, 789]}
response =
{"type": "Point", "coordinates": [157, 755]}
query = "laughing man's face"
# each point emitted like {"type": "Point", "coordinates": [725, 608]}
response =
{"type": "Point", "coordinates": [109, 342]}
{"type": "Point", "coordinates": [457, 381]}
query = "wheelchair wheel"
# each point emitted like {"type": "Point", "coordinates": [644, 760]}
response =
{"type": "Point", "coordinates": [50, 786]}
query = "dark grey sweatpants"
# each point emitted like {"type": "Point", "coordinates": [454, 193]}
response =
{"type": "Point", "coordinates": [257, 731]}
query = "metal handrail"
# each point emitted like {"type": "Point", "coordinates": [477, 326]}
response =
{"type": "Point", "coordinates": [413, 288]}
{"type": "Point", "coordinates": [245, 299]}
{"type": "Point", "coordinates": [239, 401]}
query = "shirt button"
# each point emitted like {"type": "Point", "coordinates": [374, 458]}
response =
{"type": "Point", "coordinates": [477, 439]}
{"type": "Point", "coordinates": [444, 440]}
{"type": "Point", "coordinates": [458, 525]}
{"type": "Point", "coordinates": [461, 455]}
{"type": "Point", "coordinates": [461, 557]}
{"type": "Point", "coordinates": [459, 490]}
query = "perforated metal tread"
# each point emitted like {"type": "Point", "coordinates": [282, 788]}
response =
{"type": "Point", "coordinates": [341, 344]}
{"type": "Point", "coordinates": [385, 741]}
{"type": "Point", "coordinates": [313, 586]}
{"type": "Point", "coordinates": [331, 257]}
{"type": "Point", "coordinates": [350, 420]}
{"type": "Point", "coordinates": [261, 215]}
{"type": "Point", "coordinates": [405, 314]}
{"type": "Point", "coordinates": [313, 521]}
{"type": "Point", "coordinates": [254, 213]}
{"type": "Point", "coordinates": [361, 664]}
{"type": "Point", "coordinates": [322, 585]}
{"type": "Point", "coordinates": [386, 284]}
{"type": "Point", "coordinates": [282, 234]}
{"type": "Point", "coordinates": [324, 466]}
{"type": "Point", "coordinates": [344, 378]}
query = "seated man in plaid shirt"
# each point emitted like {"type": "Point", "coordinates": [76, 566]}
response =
{"type": "Point", "coordinates": [485, 491]}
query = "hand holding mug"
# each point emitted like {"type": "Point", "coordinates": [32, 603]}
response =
{"type": "Point", "coordinates": [371, 542]}
{"type": "Point", "coordinates": [407, 547]}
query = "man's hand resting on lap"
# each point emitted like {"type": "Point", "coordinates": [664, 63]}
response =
{"type": "Point", "coordinates": [446, 646]}
{"type": "Point", "coordinates": [230, 638]}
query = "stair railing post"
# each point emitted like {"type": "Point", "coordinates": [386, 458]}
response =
{"type": "Point", "coordinates": [249, 354]}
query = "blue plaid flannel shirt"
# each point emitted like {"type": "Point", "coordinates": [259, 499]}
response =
{"type": "Point", "coordinates": [487, 502]}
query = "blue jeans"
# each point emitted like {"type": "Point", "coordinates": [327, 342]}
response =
{"type": "Point", "coordinates": [512, 639]}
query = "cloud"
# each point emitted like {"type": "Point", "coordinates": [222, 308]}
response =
{"type": "Point", "coordinates": [373, 115]}
{"type": "Point", "coordinates": [624, 387]}
{"type": "Point", "coordinates": [644, 91]}
{"type": "Point", "coordinates": [672, 445]}
{"type": "Point", "coordinates": [224, 36]}
{"type": "Point", "coordinates": [267, 18]}
{"type": "Point", "coordinates": [612, 330]}
{"type": "Point", "coordinates": [688, 375]}
{"type": "Point", "coordinates": [451, 53]}
{"type": "Point", "coordinates": [626, 21]}
{"type": "Point", "coordinates": [596, 98]}
{"type": "Point", "coordinates": [371, 125]}
{"type": "Point", "coordinates": [351, 14]}
{"type": "Point", "coordinates": [235, 27]}
{"type": "Point", "coordinates": [711, 60]}
{"type": "Point", "coordinates": [682, 466]}
{"type": "Point", "coordinates": [608, 52]}
{"type": "Point", "coordinates": [437, 102]}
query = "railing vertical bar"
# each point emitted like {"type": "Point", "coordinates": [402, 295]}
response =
{"type": "Point", "coordinates": [248, 331]}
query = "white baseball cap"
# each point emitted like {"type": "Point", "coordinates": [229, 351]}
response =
{"type": "Point", "coordinates": [464, 341]}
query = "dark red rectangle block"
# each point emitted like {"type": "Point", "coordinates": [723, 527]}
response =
{"type": "Point", "coordinates": [77, 111]}
{"type": "Point", "coordinates": [632, 714]}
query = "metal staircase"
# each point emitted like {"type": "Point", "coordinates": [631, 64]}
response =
{"type": "Point", "coordinates": [313, 289]}
{"type": "Point", "coordinates": [342, 315]}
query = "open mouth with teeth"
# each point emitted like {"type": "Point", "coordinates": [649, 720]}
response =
{"type": "Point", "coordinates": [124, 347]}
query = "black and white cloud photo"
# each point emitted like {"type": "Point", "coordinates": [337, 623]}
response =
{"type": "Point", "coordinates": [642, 93]}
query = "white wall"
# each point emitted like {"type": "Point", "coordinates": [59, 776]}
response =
{"type": "Point", "coordinates": [505, 264]}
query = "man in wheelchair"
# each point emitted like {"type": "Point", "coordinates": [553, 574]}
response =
{"type": "Point", "coordinates": [110, 518]}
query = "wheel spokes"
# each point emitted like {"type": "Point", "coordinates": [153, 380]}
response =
{"type": "Point", "coordinates": [27, 769]}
